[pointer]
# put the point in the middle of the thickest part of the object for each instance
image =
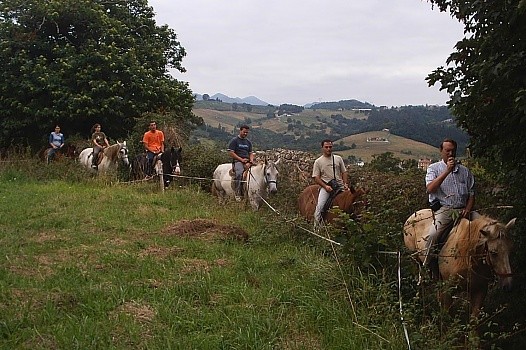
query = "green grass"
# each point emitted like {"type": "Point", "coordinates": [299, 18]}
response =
{"type": "Point", "coordinates": [99, 264]}
{"type": "Point", "coordinates": [95, 263]}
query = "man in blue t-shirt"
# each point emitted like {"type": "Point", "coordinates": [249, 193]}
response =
{"type": "Point", "coordinates": [240, 149]}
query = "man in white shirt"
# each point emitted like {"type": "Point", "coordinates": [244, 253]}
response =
{"type": "Point", "coordinates": [326, 168]}
{"type": "Point", "coordinates": [450, 186]}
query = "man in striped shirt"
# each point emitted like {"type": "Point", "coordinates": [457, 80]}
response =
{"type": "Point", "coordinates": [450, 184]}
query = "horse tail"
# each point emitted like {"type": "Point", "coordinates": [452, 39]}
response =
{"type": "Point", "coordinates": [214, 188]}
{"type": "Point", "coordinates": [216, 185]}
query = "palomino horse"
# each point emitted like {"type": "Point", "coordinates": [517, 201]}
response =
{"type": "Point", "coordinates": [345, 201]}
{"type": "Point", "coordinates": [474, 252]}
{"type": "Point", "coordinates": [259, 180]}
{"type": "Point", "coordinates": [110, 158]}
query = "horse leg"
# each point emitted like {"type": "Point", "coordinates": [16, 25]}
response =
{"type": "Point", "coordinates": [445, 296]}
{"type": "Point", "coordinates": [221, 194]}
{"type": "Point", "coordinates": [167, 179]}
{"type": "Point", "coordinates": [253, 199]}
{"type": "Point", "coordinates": [47, 154]}
{"type": "Point", "coordinates": [433, 269]}
{"type": "Point", "coordinates": [476, 299]}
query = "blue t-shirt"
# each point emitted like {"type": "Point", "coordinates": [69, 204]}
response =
{"type": "Point", "coordinates": [241, 147]}
{"type": "Point", "coordinates": [56, 138]}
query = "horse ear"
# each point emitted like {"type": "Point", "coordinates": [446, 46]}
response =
{"type": "Point", "coordinates": [180, 149]}
{"type": "Point", "coordinates": [511, 223]}
{"type": "Point", "coordinates": [484, 232]}
{"type": "Point", "coordinates": [277, 161]}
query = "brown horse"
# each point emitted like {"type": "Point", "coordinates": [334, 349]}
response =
{"type": "Point", "coordinates": [474, 252]}
{"type": "Point", "coordinates": [345, 201]}
{"type": "Point", "coordinates": [68, 151]}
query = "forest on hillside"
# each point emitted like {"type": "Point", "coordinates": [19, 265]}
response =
{"type": "Point", "coordinates": [426, 124]}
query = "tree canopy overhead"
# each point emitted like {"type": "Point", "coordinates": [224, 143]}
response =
{"type": "Point", "coordinates": [77, 62]}
{"type": "Point", "coordinates": [486, 80]}
{"type": "Point", "coordinates": [486, 77]}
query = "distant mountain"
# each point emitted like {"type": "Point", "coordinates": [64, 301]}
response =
{"type": "Point", "coordinates": [251, 100]}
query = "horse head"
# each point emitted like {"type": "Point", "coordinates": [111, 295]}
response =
{"type": "Point", "coordinates": [123, 153]}
{"type": "Point", "coordinates": [271, 175]}
{"type": "Point", "coordinates": [172, 161]}
{"type": "Point", "coordinates": [497, 250]}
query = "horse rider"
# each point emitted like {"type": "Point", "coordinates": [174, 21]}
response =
{"type": "Point", "coordinates": [56, 141]}
{"type": "Point", "coordinates": [329, 169]}
{"type": "Point", "coordinates": [99, 141]}
{"type": "Point", "coordinates": [240, 150]}
{"type": "Point", "coordinates": [153, 141]}
{"type": "Point", "coordinates": [450, 186]}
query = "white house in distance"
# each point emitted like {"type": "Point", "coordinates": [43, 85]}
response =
{"type": "Point", "coordinates": [424, 163]}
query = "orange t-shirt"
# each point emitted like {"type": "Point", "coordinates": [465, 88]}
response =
{"type": "Point", "coordinates": [153, 141]}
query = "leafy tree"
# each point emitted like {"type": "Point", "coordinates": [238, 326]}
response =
{"type": "Point", "coordinates": [486, 81]}
{"type": "Point", "coordinates": [206, 97]}
{"type": "Point", "coordinates": [77, 62]}
{"type": "Point", "coordinates": [386, 162]}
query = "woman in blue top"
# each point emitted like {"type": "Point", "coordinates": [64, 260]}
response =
{"type": "Point", "coordinates": [56, 141]}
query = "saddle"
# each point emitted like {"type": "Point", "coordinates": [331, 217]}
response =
{"type": "Point", "coordinates": [328, 204]}
{"type": "Point", "coordinates": [100, 156]}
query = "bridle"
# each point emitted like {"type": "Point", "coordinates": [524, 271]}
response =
{"type": "Point", "coordinates": [268, 181]}
{"type": "Point", "coordinates": [486, 260]}
{"type": "Point", "coordinates": [123, 153]}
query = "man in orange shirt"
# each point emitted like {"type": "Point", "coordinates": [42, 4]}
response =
{"type": "Point", "coordinates": [153, 141]}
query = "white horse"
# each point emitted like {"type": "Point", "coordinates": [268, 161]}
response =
{"type": "Point", "coordinates": [259, 180]}
{"type": "Point", "coordinates": [110, 158]}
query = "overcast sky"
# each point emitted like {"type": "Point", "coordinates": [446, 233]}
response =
{"type": "Point", "coordinates": [303, 51]}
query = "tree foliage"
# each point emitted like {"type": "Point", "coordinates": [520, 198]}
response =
{"type": "Point", "coordinates": [486, 80]}
{"type": "Point", "coordinates": [77, 62]}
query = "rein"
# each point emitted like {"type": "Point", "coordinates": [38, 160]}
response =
{"type": "Point", "coordinates": [486, 260]}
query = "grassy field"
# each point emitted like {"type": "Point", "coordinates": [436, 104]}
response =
{"type": "Point", "coordinates": [230, 119]}
{"type": "Point", "coordinates": [98, 263]}
{"type": "Point", "coordinates": [94, 263]}
{"type": "Point", "coordinates": [227, 119]}
{"type": "Point", "coordinates": [401, 147]}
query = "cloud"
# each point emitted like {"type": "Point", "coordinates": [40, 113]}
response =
{"type": "Point", "coordinates": [299, 52]}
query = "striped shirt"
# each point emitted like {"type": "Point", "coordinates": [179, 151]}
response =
{"type": "Point", "coordinates": [456, 188]}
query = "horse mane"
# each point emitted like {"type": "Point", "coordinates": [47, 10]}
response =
{"type": "Point", "coordinates": [467, 241]}
{"type": "Point", "coordinates": [112, 152]}
{"type": "Point", "coordinates": [351, 196]}
{"type": "Point", "coordinates": [258, 169]}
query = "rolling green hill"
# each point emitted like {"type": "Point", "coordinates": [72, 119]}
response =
{"type": "Point", "coordinates": [414, 131]}
{"type": "Point", "coordinates": [401, 147]}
